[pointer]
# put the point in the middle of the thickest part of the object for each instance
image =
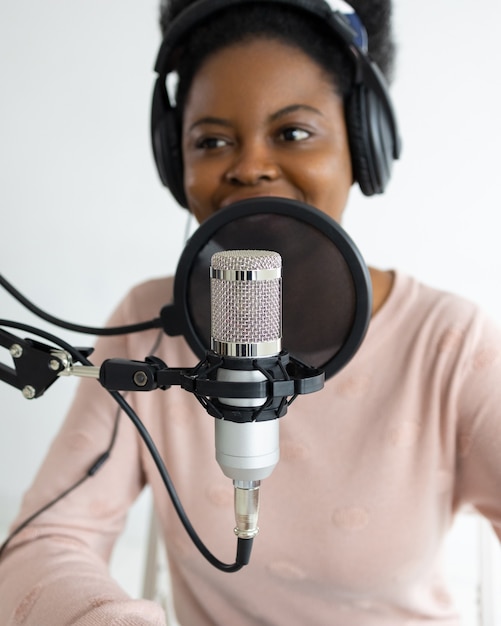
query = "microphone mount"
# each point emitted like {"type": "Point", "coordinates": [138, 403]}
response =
{"type": "Point", "coordinates": [37, 366]}
{"type": "Point", "coordinates": [285, 377]}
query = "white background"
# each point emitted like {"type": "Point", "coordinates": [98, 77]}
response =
{"type": "Point", "coordinates": [83, 215]}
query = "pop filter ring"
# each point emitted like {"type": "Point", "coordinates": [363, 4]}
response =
{"type": "Point", "coordinates": [177, 319]}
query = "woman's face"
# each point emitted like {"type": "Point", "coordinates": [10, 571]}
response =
{"type": "Point", "coordinates": [263, 119]}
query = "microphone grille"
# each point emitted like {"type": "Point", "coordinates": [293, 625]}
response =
{"type": "Point", "coordinates": [246, 299]}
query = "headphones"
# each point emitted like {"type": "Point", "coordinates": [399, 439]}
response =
{"type": "Point", "coordinates": [372, 127]}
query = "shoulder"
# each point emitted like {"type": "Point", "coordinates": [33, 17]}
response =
{"type": "Point", "coordinates": [430, 306]}
{"type": "Point", "coordinates": [444, 324]}
{"type": "Point", "coordinates": [142, 303]}
{"type": "Point", "coordinates": [427, 325]}
{"type": "Point", "coordinates": [144, 300]}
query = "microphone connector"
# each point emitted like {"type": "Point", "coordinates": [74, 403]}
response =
{"type": "Point", "coordinates": [246, 501]}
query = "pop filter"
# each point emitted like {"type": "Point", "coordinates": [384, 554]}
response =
{"type": "Point", "coordinates": [327, 296]}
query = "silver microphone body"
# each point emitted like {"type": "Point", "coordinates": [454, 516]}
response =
{"type": "Point", "coordinates": [246, 324]}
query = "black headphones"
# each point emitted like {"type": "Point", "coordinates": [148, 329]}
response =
{"type": "Point", "coordinates": [372, 126]}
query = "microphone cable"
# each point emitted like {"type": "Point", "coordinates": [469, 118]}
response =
{"type": "Point", "coordinates": [244, 546]}
{"type": "Point", "coordinates": [88, 330]}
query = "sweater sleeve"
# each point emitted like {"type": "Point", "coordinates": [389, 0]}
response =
{"type": "Point", "coordinates": [479, 432]}
{"type": "Point", "coordinates": [55, 571]}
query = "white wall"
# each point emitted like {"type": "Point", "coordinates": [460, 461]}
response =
{"type": "Point", "coordinates": [83, 215]}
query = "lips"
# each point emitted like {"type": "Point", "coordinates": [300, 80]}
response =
{"type": "Point", "coordinates": [239, 197]}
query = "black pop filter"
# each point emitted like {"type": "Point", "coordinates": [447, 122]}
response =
{"type": "Point", "coordinates": [327, 295]}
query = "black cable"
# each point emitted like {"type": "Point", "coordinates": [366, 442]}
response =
{"type": "Point", "coordinates": [50, 504]}
{"type": "Point", "coordinates": [94, 467]}
{"type": "Point", "coordinates": [244, 546]}
{"type": "Point", "coordinates": [88, 330]}
{"type": "Point", "coordinates": [146, 437]}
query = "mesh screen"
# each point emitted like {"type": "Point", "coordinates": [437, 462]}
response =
{"type": "Point", "coordinates": [318, 293]}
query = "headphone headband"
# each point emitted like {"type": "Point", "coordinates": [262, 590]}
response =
{"type": "Point", "coordinates": [349, 30]}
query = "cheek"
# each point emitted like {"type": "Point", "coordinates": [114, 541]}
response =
{"type": "Point", "coordinates": [329, 181]}
{"type": "Point", "coordinates": [191, 180]}
{"type": "Point", "coordinates": [198, 185]}
{"type": "Point", "coordinates": [193, 176]}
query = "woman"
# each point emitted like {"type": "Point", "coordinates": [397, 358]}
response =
{"type": "Point", "coordinates": [373, 467]}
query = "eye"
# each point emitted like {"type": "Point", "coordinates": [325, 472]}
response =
{"type": "Point", "coordinates": [293, 133]}
{"type": "Point", "coordinates": [211, 143]}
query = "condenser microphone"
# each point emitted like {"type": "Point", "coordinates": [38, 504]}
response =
{"type": "Point", "coordinates": [246, 330]}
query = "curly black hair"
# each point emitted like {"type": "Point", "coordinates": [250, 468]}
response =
{"type": "Point", "coordinates": [287, 24]}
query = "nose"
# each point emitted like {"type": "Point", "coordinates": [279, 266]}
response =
{"type": "Point", "coordinates": [253, 163]}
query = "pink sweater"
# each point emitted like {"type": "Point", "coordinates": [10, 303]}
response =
{"type": "Point", "coordinates": [372, 470]}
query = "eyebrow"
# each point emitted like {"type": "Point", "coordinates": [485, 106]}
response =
{"type": "Point", "coordinates": [219, 121]}
{"type": "Point", "coordinates": [292, 109]}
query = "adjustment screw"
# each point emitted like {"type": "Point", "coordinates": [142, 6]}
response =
{"type": "Point", "coordinates": [29, 392]}
{"type": "Point", "coordinates": [16, 350]}
{"type": "Point", "coordinates": [140, 379]}
{"type": "Point", "coordinates": [54, 365]}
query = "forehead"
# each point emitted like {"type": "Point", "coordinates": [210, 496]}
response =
{"type": "Point", "coordinates": [268, 68]}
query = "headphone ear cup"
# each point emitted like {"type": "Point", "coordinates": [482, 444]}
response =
{"type": "Point", "coordinates": [166, 143]}
{"type": "Point", "coordinates": [371, 140]}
